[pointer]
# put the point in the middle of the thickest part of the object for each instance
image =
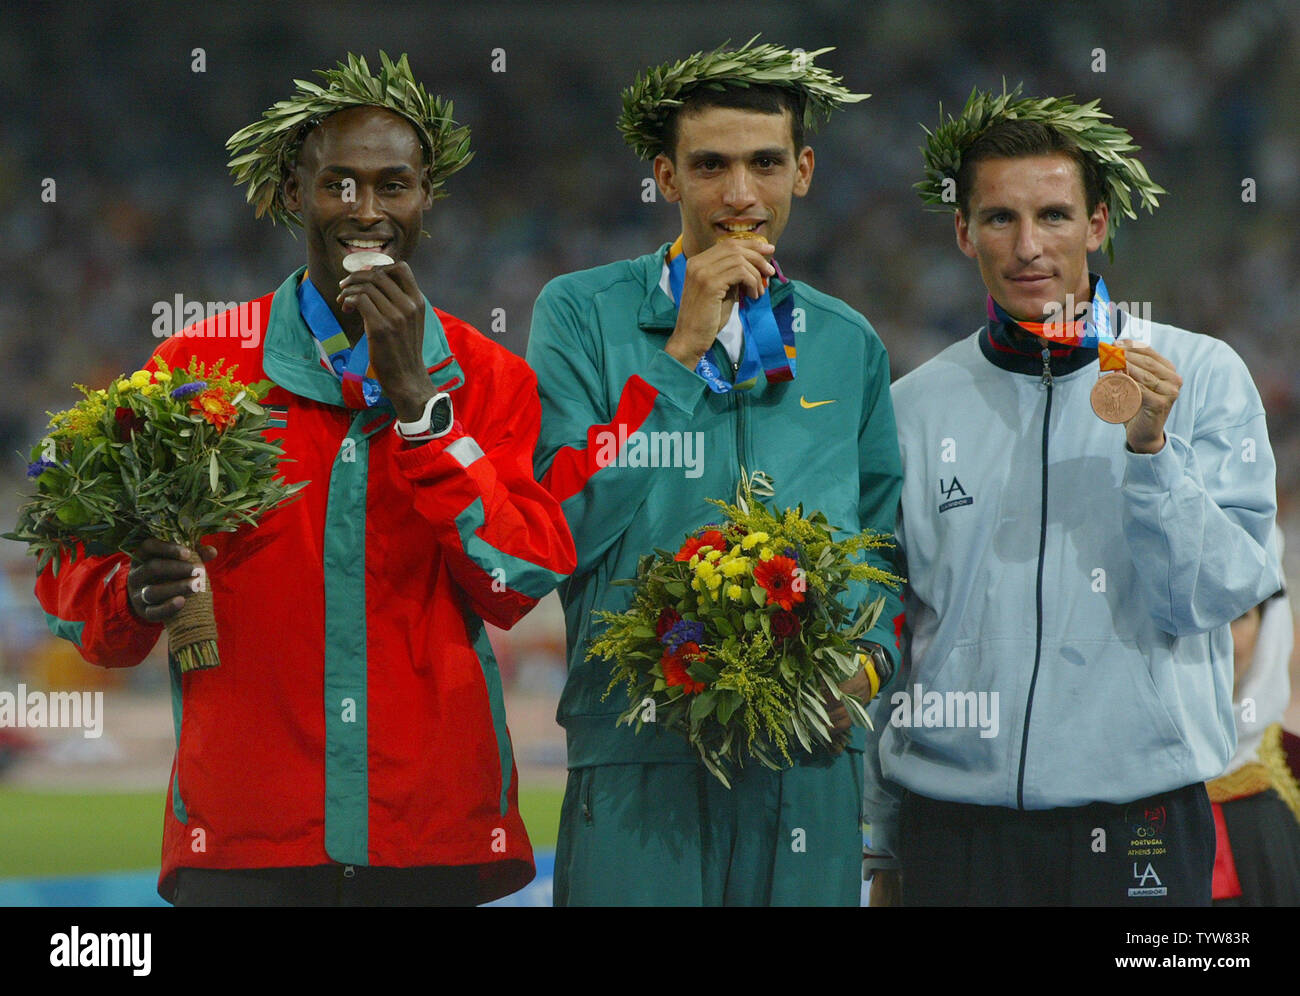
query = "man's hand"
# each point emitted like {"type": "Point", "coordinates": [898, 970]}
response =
{"type": "Point", "coordinates": [841, 722]}
{"type": "Point", "coordinates": [1160, 384]}
{"type": "Point", "coordinates": [392, 309]}
{"type": "Point", "coordinates": [886, 888]}
{"type": "Point", "coordinates": [711, 286]}
{"type": "Point", "coordinates": [161, 578]}
{"type": "Point", "coordinates": [860, 686]}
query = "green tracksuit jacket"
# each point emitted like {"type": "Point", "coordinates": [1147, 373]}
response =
{"type": "Point", "coordinates": [609, 390]}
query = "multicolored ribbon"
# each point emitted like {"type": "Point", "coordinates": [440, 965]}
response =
{"type": "Point", "coordinates": [768, 346]}
{"type": "Point", "coordinates": [1089, 331]}
{"type": "Point", "coordinates": [351, 363]}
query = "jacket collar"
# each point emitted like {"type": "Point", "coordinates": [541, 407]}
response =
{"type": "Point", "coordinates": [1007, 345]}
{"type": "Point", "coordinates": [290, 357]}
{"type": "Point", "coordinates": [658, 312]}
{"type": "Point", "coordinates": [1017, 351]}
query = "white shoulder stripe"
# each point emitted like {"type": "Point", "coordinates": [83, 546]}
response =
{"type": "Point", "coordinates": [465, 450]}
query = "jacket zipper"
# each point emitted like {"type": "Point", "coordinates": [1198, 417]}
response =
{"type": "Point", "coordinates": [1038, 595]}
{"type": "Point", "coordinates": [740, 421]}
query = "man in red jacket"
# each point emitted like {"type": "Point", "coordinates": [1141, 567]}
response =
{"type": "Point", "coordinates": [351, 746]}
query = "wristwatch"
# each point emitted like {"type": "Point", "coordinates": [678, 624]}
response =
{"type": "Point", "coordinates": [436, 421]}
{"type": "Point", "coordinates": [881, 663]}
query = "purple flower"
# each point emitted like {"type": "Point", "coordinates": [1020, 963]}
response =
{"type": "Point", "coordinates": [185, 390]}
{"type": "Point", "coordinates": [684, 631]}
{"type": "Point", "coordinates": [792, 553]}
{"type": "Point", "coordinates": [39, 467]}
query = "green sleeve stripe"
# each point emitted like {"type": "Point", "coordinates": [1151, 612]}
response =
{"type": "Point", "coordinates": [492, 678]}
{"type": "Point", "coordinates": [347, 790]}
{"type": "Point", "coordinates": [174, 672]}
{"type": "Point", "coordinates": [525, 577]}
{"type": "Point", "coordinates": [65, 628]}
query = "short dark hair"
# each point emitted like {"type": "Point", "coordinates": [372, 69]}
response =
{"type": "Point", "coordinates": [764, 99]}
{"type": "Point", "coordinates": [1015, 139]}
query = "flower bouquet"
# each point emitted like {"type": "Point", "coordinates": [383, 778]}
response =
{"type": "Point", "coordinates": [739, 638]}
{"type": "Point", "coordinates": [171, 454]}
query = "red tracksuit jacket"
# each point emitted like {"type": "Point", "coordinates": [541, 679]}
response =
{"type": "Point", "coordinates": [356, 715]}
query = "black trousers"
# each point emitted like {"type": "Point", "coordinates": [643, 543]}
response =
{"type": "Point", "coordinates": [1157, 851]}
{"type": "Point", "coordinates": [326, 885]}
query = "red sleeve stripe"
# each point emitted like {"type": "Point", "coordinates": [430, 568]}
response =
{"type": "Point", "coordinates": [573, 467]}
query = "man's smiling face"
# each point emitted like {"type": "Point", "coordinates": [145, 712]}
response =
{"type": "Point", "coordinates": [1030, 231]}
{"type": "Point", "coordinates": [734, 170]}
{"type": "Point", "coordinates": [360, 184]}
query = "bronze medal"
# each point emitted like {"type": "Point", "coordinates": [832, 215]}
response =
{"type": "Point", "coordinates": [1116, 397]}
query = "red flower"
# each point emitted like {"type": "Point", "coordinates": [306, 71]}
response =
{"type": "Point", "coordinates": [215, 409]}
{"type": "Point", "coordinates": [777, 577]}
{"type": "Point", "coordinates": [668, 618]}
{"type": "Point", "coordinates": [692, 545]}
{"type": "Point", "coordinates": [785, 625]}
{"type": "Point", "coordinates": [674, 668]}
{"type": "Point", "coordinates": [128, 422]}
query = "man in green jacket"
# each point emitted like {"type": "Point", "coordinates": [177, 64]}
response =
{"type": "Point", "coordinates": [650, 408]}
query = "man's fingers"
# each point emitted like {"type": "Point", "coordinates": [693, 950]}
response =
{"type": "Point", "coordinates": [162, 592]}
{"type": "Point", "coordinates": [839, 717]}
{"type": "Point", "coordinates": [161, 613]}
{"type": "Point", "coordinates": [159, 571]}
{"type": "Point", "coordinates": [156, 549]}
{"type": "Point", "coordinates": [401, 275]}
{"type": "Point", "coordinates": [370, 313]}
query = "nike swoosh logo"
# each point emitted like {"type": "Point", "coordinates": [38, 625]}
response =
{"type": "Point", "coordinates": [805, 403]}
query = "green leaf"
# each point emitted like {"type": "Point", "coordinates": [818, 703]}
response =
{"type": "Point", "coordinates": [728, 703]}
{"type": "Point", "coordinates": [702, 705]}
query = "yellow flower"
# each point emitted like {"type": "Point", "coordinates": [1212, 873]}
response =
{"type": "Point", "coordinates": [712, 556]}
{"type": "Point", "coordinates": [735, 592]}
{"type": "Point", "coordinates": [735, 568]}
{"type": "Point", "coordinates": [705, 570]}
{"type": "Point", "coordinates": [753, 539]}
{"type": "Point", "coordinates": [140, 378]}
{"type": "Point", "coordinates": [714, 581]}
{"type": "Point", "coordinates": [123, 386]}
{"type": "Point", "coordinates": [151, 390]}
{"type": "Point", "coordinates": [765, 553]}
{"type": "Point", "coordinates": [163, 377]}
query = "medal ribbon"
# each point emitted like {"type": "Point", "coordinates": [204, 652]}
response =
{"type": "Point", "coordinates": [1090, 331]}
{"type": "Point", "coordinates": [350, 363]}
{"type": "Point", "coordinates": [768, 346]}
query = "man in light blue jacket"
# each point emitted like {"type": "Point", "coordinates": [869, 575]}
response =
{"type": "Point", "coordinates": [1067, 681]}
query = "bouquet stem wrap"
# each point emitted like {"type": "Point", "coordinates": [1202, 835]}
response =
{"type": "Point", "coordinates": [192, 632]}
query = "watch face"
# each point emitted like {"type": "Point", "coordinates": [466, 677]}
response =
{"type": "Point", "coordinates": [440, 417]}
